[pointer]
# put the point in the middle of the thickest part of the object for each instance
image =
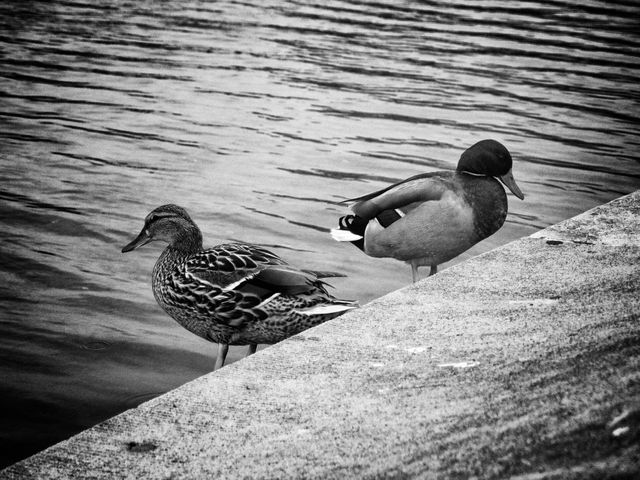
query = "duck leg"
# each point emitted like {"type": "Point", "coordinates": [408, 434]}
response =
{"type": "Point", "coordinates": [414, 270]}
{"type": "Point", "coordinates": [223, 349]}
{"type": "Point", "coordinates": [252, 349]}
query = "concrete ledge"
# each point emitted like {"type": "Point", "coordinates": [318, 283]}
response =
{"type": "Point", "coordinates": [522, 362]}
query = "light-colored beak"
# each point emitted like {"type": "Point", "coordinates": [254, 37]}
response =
{"type": "Point", "coordinates": [142, 239]}
{"type": "Point", "coordinates": [510, 182]}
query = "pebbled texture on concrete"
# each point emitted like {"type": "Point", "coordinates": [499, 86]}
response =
{"type": "Point", "coordinates": [520, 363]}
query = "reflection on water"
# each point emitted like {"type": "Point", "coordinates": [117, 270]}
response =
{"type": "Point", "coordinates": [259, 118]}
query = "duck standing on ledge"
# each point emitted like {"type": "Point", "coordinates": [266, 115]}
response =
{"type": "Point", "coordinates": [232, 294]}
{"type": "Point", "coordinates": [431, 218]}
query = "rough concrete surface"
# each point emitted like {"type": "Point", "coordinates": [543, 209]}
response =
{"type": "Point", "coordinates": [519, 363]}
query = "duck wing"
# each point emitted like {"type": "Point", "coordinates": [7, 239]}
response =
{"type": "Point", "coordinates": [216, 282]}
{"type": "Point", "coordinates": [252, 269]}
{"type": "Point", "coordinates": [193, 293]}
{"type": "Point", "coordinates": [281, 279]}
{"type": "Point", "coordinates": [229, 263]}
{"type": "Point", "coordinates": [419, 188]}
{"type": "Point", "coordinates": [234, 281]}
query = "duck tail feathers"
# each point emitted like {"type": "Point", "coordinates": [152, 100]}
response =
{"type": "Point", "coordinates": [352, 228]}
{"type": "Point", "coordinates": [344, 235]}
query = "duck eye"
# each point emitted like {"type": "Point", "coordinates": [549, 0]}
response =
{"type": "Point", "coordinates": [154, 217]}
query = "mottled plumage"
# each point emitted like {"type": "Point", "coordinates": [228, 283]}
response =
{"type": "Point", "coordinates": [431, 218]}
{"type": "Point", "coordinates": [232, 294]}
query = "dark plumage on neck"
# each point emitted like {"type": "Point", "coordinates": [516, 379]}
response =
{"type": "Point", "coordinates": [487, 157]}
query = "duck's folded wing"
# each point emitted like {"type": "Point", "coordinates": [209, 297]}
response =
{"type": "Point", "coordinates": [262, 282]}
{"type": "Point", "coordinates": [232, 282]}
{"type": "Point", "coordinates": [190, 292]}
{"type": "Point", "coordinates": [248, 296]}
{"type": "Point", "coordinates": [279, 279]}
{"type": "Point", "coordinates": [238, 303]}
{"type": "Point", "coordinates": [420, 188]}
{"type": "Point", "coordinates": [229, 263]}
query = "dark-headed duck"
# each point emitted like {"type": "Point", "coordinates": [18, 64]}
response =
{"type": "Point", "coordinates": [431, 218]}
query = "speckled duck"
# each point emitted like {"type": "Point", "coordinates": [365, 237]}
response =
{"type": "Point", "coordinates": [232, 294]}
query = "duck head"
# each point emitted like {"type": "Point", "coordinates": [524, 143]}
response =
{"type": "Point", "coordinates": [171, 224]}
{"type": "Point", "coordinates": [489, 157]}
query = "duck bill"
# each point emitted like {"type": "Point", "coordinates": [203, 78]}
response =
{"type": "Point", "coordinates": [510, 182]}
{"type": "Point", "coordinates": [139, 241]}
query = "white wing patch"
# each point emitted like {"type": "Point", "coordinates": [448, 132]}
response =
{"type": "Point", "coordinates": [344, 235]}
{"type": "Point", "coordinates": [267, 300]}
{"type": "Point", "coordinates": [237, 283]}
{"type": "Point", "coordinates": [325, 309]}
